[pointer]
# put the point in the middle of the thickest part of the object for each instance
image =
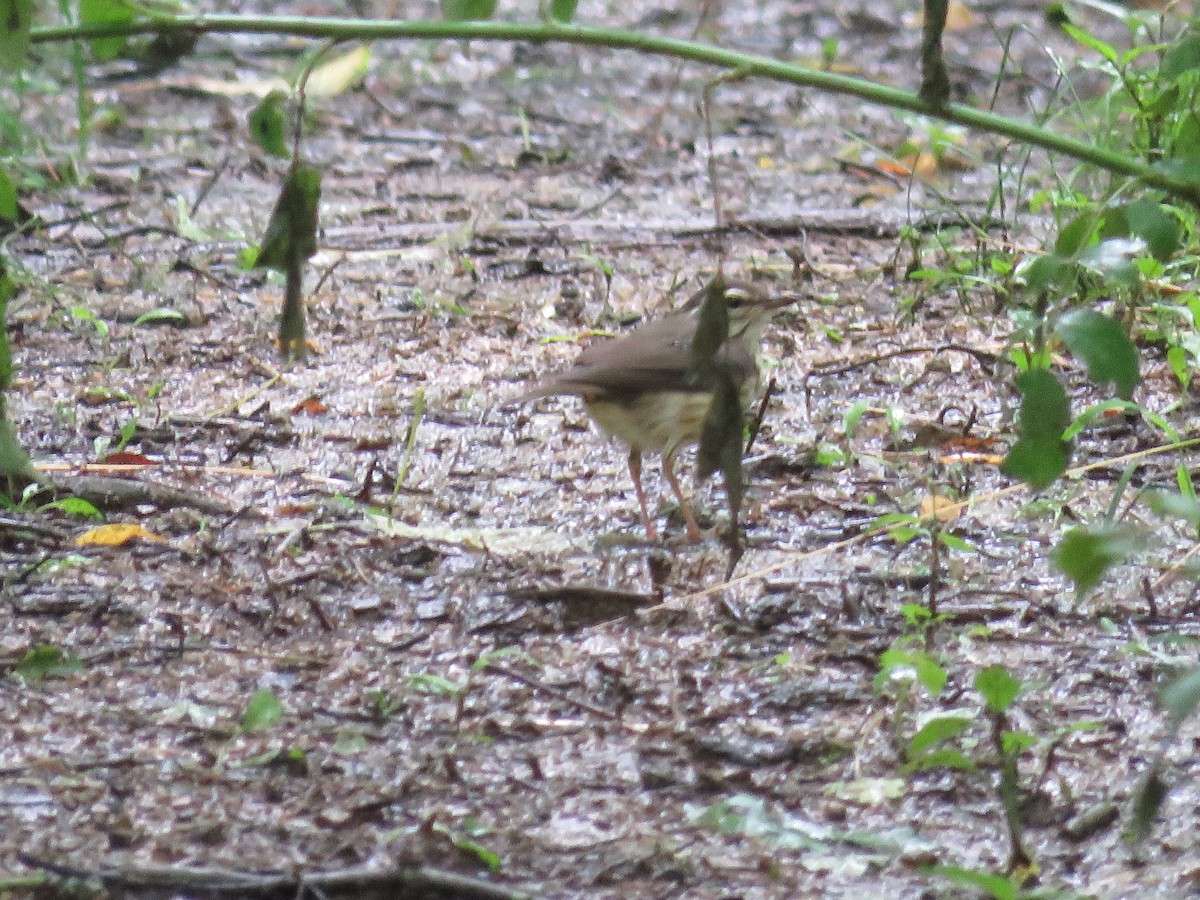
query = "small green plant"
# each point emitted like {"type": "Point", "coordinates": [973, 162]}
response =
{"type": "Point", "coordinates": [458, 691]}
{"type": "Point", "coordinates": [263, 711]}
{"type": "Point", "coordinates": [42, 663]}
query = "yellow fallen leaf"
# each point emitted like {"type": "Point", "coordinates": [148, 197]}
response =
{"type": "Point", "coordinates": [959, 17]}
{"type": "Point", "coordinates": [941, 508]}
{"type": "Point", "coordinates": [115, 535]}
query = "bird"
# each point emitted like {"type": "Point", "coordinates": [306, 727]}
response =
{"type": "Point", "coordinates": [642, 387]}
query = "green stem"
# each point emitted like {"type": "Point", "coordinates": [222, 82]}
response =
{"type": "Point", "coordinates": [744, 64]}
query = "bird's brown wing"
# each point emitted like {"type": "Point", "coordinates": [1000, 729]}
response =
{"type": "Point", "coordinates": [656, 356]}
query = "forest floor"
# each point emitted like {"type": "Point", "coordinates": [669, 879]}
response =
{"type": "Point", "coordinates": [487, 670]}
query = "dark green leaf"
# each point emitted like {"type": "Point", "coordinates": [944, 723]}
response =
{"type": "Point", "coordinates": [998, 687]}
{"type": "Point", "coordinates": [8, 196]}
{"type": "Point", "coordinates": [1181, 58]}
{"type": "Point", "coordinates": [1044, 272]}
{"type": "Point", "coordinates": [1157, 227]}
{"type": "Point", "coordinates": [1186, 143]}
{"type": "Point", "coordinates": [7, 289]}
{"type": "Point", "coordinates": [1181, 697]}
{"type": "Point", "coordinates": [268, 125]}
{"type": "Point", "coordinates": [563, 10]}
{"type": "Point", "coordinates": [1084, 555]}
{"type": "Point", "coordinates": [292, 230]}
{"type": "Point", "coordinates": [1184, 165]}
{"type": "Point", "coordinates": [1101, 342]}
{"type": "Point", "coordinates": [467, 10]}
{"type": "Point", "coordinates": [106, 12]}
{"type": "Point", "coordinates": [16, 19]}
{"type": "Point", "coordinates": [712, 329]}
{"type": "Point", "coordinates": [1040, 454]}
{"type": "Point", "coordinates": [262, 712]}
{"type": "Point", "coordinates": [1146, 803]}
{"type": "Point", "coordinates": [1076, 235]}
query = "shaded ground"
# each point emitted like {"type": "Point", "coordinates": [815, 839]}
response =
{"type": "Point", "coordinates": [597, 758]}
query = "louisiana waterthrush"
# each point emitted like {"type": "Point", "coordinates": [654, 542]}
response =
{"type": "Point", "coordinates": [643, 389]}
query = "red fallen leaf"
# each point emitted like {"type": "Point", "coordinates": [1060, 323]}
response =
{"type": "Point", "coordinates": [968, 444]}
{"type": "Point", "coordinates": [294, 509]}
{"type": "Point", "coordinates": [312, 406]}
{"type": "Point", "coordinates": [125, 458]}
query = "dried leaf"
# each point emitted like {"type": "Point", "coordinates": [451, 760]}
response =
{"type": "Point", "coordinates": [115, 535]}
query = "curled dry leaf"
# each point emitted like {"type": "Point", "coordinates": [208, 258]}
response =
{"type": "Point", "coordinates": [115, 535]}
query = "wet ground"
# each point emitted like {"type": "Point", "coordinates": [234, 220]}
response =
{"type": "Point", "coordinates": [482, 663]}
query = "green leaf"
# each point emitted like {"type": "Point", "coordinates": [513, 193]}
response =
{"type": "Point", "coordinates": [268, 125]}
{"type": "Point", "coordinates": [1150, 221]}
{"type": "Point", "coordinates": [292, 230]}
{"type": "Point", "coordinates": [435, 684]}
{"type": "Point", "coordinates": [1091, 42]}
{"type": "Point", "coordinates": [161, 316]}
{"type": "Point", "coordinates": [998, 887]}
{"type": "Point", "coordinates": [488, 858]}
{"type": "Point", "coordinates": [75, 506]}
{"type": "Point", "coordinates": [1015, 743]}
{"type": "Point", "coordinates": [937, 731]}
{"type": "Point", "coordinates": [7, 290]}
{"type": "Point", "coordinates": [1182, 57]}
{"type": "Point", "coordinates": [1178, 360]}
{"type": "Point", "coordinates": [1101, 342]}
{"type": "Point", "coordinates": [16, 19]}
{"type": "Point", "coordinates": [8, 195]}
{"type": "Point", "coordinates": [45, 662]}
{"type": "Point", "coordinates": [490, 656]}
{"type": "Point", "coordinates": [106, 12]}
{"type": "Point", "coordinates": [186, 225]}
{"type": "Point", "coordinates": [1044, 272]}
{"type": "Point", "coordinates": [923, 666]}
{"type": "Point", "coordinates": [954, 542]}
{"type": "Point", "coordinates": [262, 712]}
{"type": "Point", "coordinates": [998, 687]}
{"type": "Point", "coordinates": [1099, 411]}
{"type": "Point", "coordinates": [1076, 235]}
{"type": "Point", "coordinates": [1177, 505]}
{"type": "Point", "coordinates": [1084, 555]}
{"type": "Point", "coordinates": [1040, 454]}
{"type": "Point", "coordinates": [563, 10]}
{"type": "Point", "coordinates": [943, 758]}
{"type": "Point", "coordinates": [1181, 697]}
{"type": "Point", "coordinates": [467, 10]}
{"type": "Point", "coordinates": [1185, 143]}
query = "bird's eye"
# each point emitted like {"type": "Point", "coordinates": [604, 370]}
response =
{"type": "Point", "coordinates": [735, 297]}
